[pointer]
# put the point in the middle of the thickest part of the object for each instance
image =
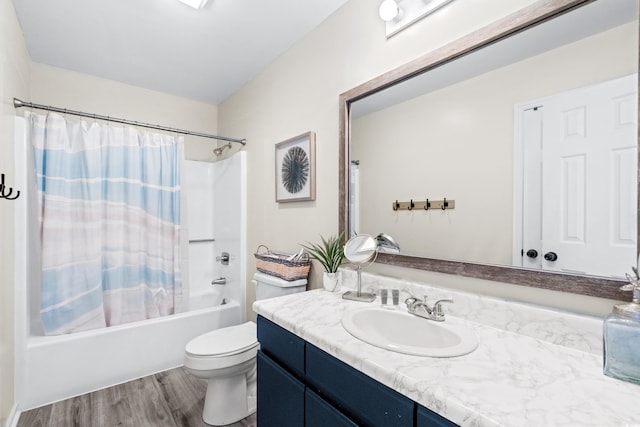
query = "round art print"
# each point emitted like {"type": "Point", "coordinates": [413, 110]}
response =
{"type": "Point", "coordinates": [295, 170]}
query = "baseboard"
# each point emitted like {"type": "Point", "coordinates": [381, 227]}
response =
{"type": "Point", "coordinates": [12, 419]}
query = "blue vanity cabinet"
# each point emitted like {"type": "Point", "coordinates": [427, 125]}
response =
{"type": "Point", "coordinates": [428, 418]}
{"type": "Point", "coordinates": [300, 385]}
{"type": "Point", "coordinates": [357, 395]}
{"type": "Point", "coordinates": [281, 400]}
{"type": "Point", "coordinates": [319, 413]}
{"type": "Point", "coordinates": [280, 395]}
{"type": "Point", "coordinates": [281, 345]}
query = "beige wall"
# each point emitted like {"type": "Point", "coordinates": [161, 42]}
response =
{"type": "Point", "coordinates": [299, 92]}
{"type": "Point", "coordinates": [457, 142]}
{"type": "Point", "coordinates": [14, 82]}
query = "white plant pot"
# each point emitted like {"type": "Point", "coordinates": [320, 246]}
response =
{"type": "Point", "coordinates": [331, 281]}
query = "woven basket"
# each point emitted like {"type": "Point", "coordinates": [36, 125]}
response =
{"type": "Point", "coordinates": [276, 264]}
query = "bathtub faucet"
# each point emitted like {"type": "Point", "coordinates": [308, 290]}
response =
{"type": "Point", "coordinates": [220, 281]}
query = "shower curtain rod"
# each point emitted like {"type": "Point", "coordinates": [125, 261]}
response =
{"type": "Point", "coordinates": [18, 104]}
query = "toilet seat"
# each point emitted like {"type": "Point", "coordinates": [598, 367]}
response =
{"type": "Point", "coordinates": [224, 342]}
{"type": "Point", "coordinates": [222, 348]}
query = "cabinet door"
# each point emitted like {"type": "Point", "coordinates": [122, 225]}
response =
{"type": "Point", "coordinates": [281, 345]}
{"type": "Point", "coordinates": [366, 401]}
{"type": "Point", "coordinates": [319, 413]}
{"type": "Point", "coordinates": [280, 396]}
{"type": "Point", "coordinates": [427, 418]}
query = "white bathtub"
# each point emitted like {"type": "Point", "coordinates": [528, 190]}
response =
{"type": "Point", "coordinates": [212, 298]}
{"type": "Point", "coordinates": [59, 367]}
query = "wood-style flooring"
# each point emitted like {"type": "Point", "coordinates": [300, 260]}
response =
{"type": "Point", "coordinates": [172, 398]}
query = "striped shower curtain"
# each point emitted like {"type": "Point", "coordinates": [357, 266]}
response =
{"type": "Point", "coordinates": [109, 200]}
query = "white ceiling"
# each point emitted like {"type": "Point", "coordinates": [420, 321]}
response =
{"type": "Point", "coordinates": [165, 45]}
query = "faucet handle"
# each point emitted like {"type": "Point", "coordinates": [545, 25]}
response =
{"type": "Point", "coordinates": [410, 301]}
{"type": "Point", "coordinates": [437, 307]}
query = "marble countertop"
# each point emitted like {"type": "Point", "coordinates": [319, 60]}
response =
{"type": "Point", "coordinates": [511, 379]}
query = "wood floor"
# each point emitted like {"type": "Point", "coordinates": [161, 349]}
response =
{"type": "Point", "coordinates": [168, 399]}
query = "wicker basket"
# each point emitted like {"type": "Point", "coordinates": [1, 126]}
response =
{"type": "Point", "coordinates": [276, 264]}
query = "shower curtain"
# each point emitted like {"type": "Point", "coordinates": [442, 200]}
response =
{"type": "Point", "coordinates": [109, 200]}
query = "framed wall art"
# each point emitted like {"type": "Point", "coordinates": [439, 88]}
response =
{"type": "Point", "coordinates": [295, 168]}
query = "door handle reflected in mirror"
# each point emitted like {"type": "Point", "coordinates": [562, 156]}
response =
{"type": "Point", "coordinates": [551, 256]}
{"type": "Point", "coordinates": [532, 253]}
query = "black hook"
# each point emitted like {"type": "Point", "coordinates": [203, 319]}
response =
{"type": "Point", "coordinates": [396, 206]}
{"type": "Point", "coordinates": [7, 195]}
{"type": "Point", "coordinates": [445, 204]}
{"type": "Point", "coordinates": [411, 205]}
{"type": "Point", "coordinates": [427, 205]}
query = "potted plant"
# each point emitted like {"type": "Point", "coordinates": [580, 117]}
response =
{"type": "Point", "coordinates": [330, 253]}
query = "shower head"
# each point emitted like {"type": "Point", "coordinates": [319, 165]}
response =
{"type": "Point", "coordinates": [218, 151]}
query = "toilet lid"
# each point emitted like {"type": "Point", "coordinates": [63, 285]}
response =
{"type": "Point", "coordinates": [224, 341]}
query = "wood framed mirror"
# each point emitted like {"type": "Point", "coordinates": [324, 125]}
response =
{"type": "Point", "coordinates": [465, 51]}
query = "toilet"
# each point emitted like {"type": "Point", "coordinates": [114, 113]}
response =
{"type": "Point", "coordinates": [226, 358]}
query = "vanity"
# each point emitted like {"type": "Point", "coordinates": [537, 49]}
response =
{"type": "Point", "coordinates": [301, 384]}
{"type": "Point", "coordinates": [532, 366]}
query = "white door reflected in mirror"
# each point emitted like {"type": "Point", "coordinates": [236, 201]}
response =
{"type": "Point", "coordinates": [587, 219]}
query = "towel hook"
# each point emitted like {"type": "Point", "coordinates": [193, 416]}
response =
{"type": "Point", "coordinates": [427, 205]}
{"type": "Point", "coordinates": [445, 204]}
{"type": "Point", "coordinates": [7, 195]}
{"type": "Point", "coordinates": [411, 205]}
{"type": "Point", "coordinates": [396, 206]}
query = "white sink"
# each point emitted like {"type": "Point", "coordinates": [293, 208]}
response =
{"type": "Point", "coordinates": [399, 331]}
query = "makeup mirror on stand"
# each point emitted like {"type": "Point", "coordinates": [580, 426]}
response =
{"type": "Point", "coordinates": [361, 251]}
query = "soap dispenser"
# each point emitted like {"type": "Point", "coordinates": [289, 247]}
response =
{"type": "Point", "coordinates": [621, 336]}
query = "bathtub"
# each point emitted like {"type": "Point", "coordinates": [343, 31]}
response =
{"type": "Point", "coordinates": [64, 366]}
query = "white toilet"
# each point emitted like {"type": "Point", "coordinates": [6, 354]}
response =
{"type": "Point", "coordinates": [226, 358]}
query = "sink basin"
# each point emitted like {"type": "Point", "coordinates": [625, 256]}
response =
{"type": "Point", "coordinates": [399, 331]}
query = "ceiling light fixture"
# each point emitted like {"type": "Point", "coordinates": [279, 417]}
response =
{"type": "Point", "coordinates": [196, 4]}
{"type": "Point", "coordinates": [388, 10]}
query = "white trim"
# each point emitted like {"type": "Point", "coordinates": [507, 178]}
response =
{"type": "Point", "coordinates": [14, 416]}
{"type": "Point", "coordinates": [20, 259]}
{"type": "Point", "coordinates": [518, 179]}
{"type": "Point", "coordinates": [243, 234]}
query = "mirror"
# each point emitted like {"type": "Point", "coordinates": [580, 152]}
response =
{"type": "Point", "coordinates": [361, 250]}
{"type": "Point", "coordinates": [464, 145]}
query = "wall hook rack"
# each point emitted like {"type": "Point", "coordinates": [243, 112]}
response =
{"type": "Point", "coordinates": [4, 194]}
{"type": "Point", "coordinates": [426, 205]}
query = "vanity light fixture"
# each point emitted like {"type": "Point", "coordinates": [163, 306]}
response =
{"type": "Point", "coordinates": [398, 15]}
{"type": "Point", "coordinates": [196, 4]}
{"type": "Point", "coordinates": [388, 10]}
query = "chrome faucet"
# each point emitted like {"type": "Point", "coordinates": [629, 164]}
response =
{"type": "Point", "coordinates": [420, 308]}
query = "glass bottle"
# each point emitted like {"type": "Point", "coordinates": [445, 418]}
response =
{"type": "Point", "coordinates": [621, 336]}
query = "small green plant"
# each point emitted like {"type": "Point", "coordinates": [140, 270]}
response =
{"type": "Point", "coordinates": [330, 253]}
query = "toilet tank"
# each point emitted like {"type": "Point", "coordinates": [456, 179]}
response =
{"type": "Point", "coordinates": [270, 286]}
